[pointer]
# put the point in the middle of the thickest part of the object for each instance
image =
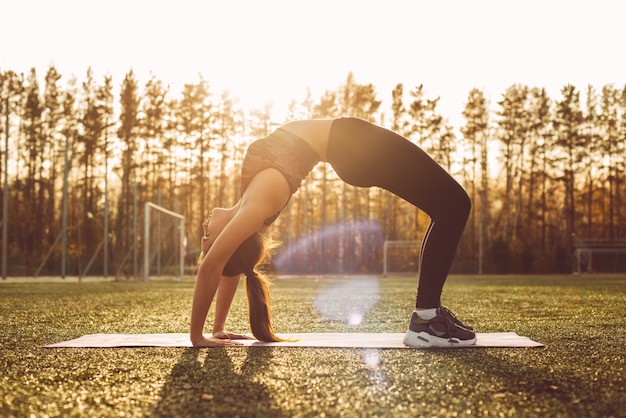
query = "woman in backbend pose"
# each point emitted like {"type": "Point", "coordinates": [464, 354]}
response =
{"type": "Point", "coordinates": [363, 155]}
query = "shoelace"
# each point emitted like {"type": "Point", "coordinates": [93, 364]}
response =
{"type": "Point", "coordinates": [447, 313]}
{"type": "Point", "coordinates": [448, 321]}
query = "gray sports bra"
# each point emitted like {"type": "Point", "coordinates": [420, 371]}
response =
{"type": "Point", "coordinates": [284, 151]}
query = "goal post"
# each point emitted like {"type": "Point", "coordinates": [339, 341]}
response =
{"type": "Point", "coordinates": [598, 255]}
{"type": "Point", "coordinates": [149, 207]}
{"type": "Point", "coordinates": [608, 260]}
{"type": "Point", "coordinates": [400, 257]}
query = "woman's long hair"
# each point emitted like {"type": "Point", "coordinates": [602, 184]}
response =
{"type": "Point", "coordinates": [246, 260]}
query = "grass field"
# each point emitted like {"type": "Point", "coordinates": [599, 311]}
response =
{"type": "Point", "coordinates": [580, 372]}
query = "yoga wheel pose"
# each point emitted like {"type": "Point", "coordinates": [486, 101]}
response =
{"type": "Point", "coordinates": [363, 155]}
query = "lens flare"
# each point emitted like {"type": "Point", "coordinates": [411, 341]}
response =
{"type": "Point", "coordinates": [371, 358]}
{"type": "Point", "coordinates": [348, 301]}
{"type": "Point", "coordinates": [355, 318]}
{"type": "Point", "coordinates": [337, 249]}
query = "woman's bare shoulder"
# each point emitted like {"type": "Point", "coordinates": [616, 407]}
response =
{"type": "Point", "coordinates": [267, 194]}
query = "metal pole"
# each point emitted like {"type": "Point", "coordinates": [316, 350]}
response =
{"type": "Point", "coordinates": [182, 249]}
{"type": "Point", "coordinates": [146, 242]}
{"type": "Point", "coordinates": [64, 210]}
{"type": "Point", "coordinates": [106, 205]}
{"type": "Point", "coordinates": [43, 262]}
{"type": "Point", "coordinates": [135, 237]}
{"type": "Point", "coordinates": [5, 194]}
{"type": "Point", "coordinates": [385, 258]}
{"type": "Point", "coordinates": [146, 254]}
{"type": "Point", "coordinates": [158, 235]}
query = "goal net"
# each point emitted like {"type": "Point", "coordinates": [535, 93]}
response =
{"type": "Point", "coordinates": [400, 257]}
{"type": "Point", "coordinates": [164, 242]}
{"type": "Point", "coordinates": [600, 257]}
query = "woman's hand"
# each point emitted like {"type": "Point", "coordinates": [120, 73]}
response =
{"type": "Point", "coordinates": [205, 243]}
{"type": "Point", "coordinates": [224, 335]}
{"type": "Point", "coordinates": [214, 342]}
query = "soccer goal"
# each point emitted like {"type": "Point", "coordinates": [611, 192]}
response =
{"type": "Point", "coordinates": [400, 257]}
{"type": "Point", "coordinates": [164, 242]}
{"type": "Point", "coordinates": [598, 256]}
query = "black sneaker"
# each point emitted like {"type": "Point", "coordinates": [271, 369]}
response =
{"type": "Point", "coordinates": [444, 330]}
{"type": "Point", "coordinates": [455, 319]}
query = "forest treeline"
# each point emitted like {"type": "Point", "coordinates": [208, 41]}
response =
{"type": "Point", "coordinates": [538, 169]}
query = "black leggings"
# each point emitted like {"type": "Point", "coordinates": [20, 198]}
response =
{"type": "Point", "coordinates": [367, 155]}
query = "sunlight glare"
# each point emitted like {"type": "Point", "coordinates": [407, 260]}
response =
{"type": "Point", "coordinates": [371, 358]}
{"type": "Point", "coordinates": [348, 301]}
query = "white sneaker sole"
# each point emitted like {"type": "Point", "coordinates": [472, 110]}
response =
{"type": "Point", "coordinates": [424, 340]}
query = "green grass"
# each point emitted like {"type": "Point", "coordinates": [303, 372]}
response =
{"type": "Point", "coordinates": [580, 372]}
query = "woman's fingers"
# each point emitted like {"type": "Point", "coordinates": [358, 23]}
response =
{"type": "Point", "coordinates": [215, 342]}
{"type": "Point", "coordinates": [231, 336]}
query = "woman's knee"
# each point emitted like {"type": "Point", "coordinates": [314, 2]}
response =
{"type": "Point", "coordinates": [465, 203]}
{"type": "Point", "coordinates": [458, 205]}
{"type": "Point", "coordinates": [462, 204]}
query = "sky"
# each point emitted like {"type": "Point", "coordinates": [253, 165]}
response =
{"type": "Point", "coordinates": [274, 50]}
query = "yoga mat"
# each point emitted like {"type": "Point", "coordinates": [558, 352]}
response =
{"type": "Point", "coordinates": [335, 340]}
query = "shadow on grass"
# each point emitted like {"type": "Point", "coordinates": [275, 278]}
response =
{"type": "Point", "coordinates": [531, 379]}
{"type": "Point", "coordinates": [224, 384]}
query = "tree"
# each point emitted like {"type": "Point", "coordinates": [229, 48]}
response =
{"type": "Point", "coordinates": [96, 115]}
{"type": "Point", "coordinates": [567, 123]}
{"type": "Point", "coordinates": [621, 165]}
{"type": "Point", "coordinates": [538, 178]}
{"type": "Point", "coordinates": [612, 147]}
{"type": "Point", "coordinates": [228, 123]}
{"type": "Point", "coordinates": [194, 118]}
{"type": "Point", "coordinates": [476, 133]}
{"type": "Point", "coordinates": [155, 116]}
{"type": "Point", "coordinates": [127, 134]}
{"type": "Point", "coordinates": [592, 138]}
{"type": "Point", "coordinates": [51, 126]}
{"type": "Point", "coordinates": [69, 131]}
{"type": "Point", "coordinates": [358, 100]}
{"type": "Point", "coordinates": [513, 126]}
{"type": "Point", "coordinates": [11, 99]}
{"type": "Point", "coordinates": [36, 148]}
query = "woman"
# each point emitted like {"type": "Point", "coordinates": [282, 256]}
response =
{"type": "Point", "coordinates": [363, 155]}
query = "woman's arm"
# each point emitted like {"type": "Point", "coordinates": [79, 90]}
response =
{"type": "Point", "coordinates": [206, 285]}
{"type": "Point", "coordinates": [241, 227]}
{"type": "Point", "coordinates": [266, 194]}
{"type": "Point", "coordinates": [210, 273]}
{"type": "Point", "coordinates": [199, 340]}
{"type": "Point", "coordinates": [225, 294]}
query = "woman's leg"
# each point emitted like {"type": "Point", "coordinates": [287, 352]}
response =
{"type": "Point", "coordinates": [366, 155]}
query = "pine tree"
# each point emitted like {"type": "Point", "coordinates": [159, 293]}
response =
{"type": "Point", "coordinates": [567, 124]}
{"type": "Point", "coordinates": [476, 132]}
{"type": "Point", "coordinates": [127, 134]}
